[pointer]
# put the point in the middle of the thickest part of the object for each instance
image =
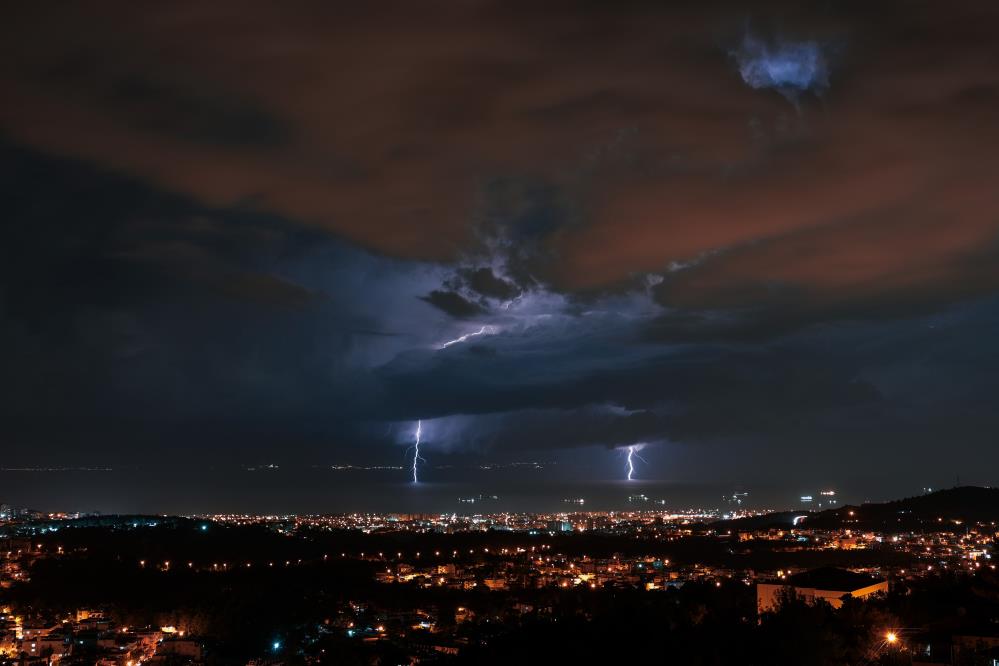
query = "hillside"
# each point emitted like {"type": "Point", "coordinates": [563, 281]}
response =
{"type": "Point", "coordinates": [956, 506]}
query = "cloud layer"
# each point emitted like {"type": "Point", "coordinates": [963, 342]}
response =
{"type": "Point", "coordinates": [626, 137]}
{"type": "Point", "coordinates": [241, 224]}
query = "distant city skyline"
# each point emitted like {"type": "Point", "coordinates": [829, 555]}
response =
{"type": "Point", "coordinates": [329, 490]}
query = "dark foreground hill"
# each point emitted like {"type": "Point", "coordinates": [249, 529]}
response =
{"type": "Point", "coordinates": [954, 506]}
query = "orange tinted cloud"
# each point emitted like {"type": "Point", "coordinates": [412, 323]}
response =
{"type": "Point", "coordinates": [385, 123]}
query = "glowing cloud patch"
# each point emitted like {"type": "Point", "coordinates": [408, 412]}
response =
{"type": "Point", "coordinates": [788, 67]}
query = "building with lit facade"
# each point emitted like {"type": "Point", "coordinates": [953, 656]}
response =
{"type": "Point", "coordinates": [828, 584]}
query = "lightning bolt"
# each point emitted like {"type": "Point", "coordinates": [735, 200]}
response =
{"type": "Point", "coordinates": [416, 451]}
{"type": "Point", "coordinates": [482, 331]}
{"type": "Point", "coordinates": [632, 454]}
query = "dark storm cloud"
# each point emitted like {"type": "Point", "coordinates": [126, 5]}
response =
{"type": "Point", "coordinates": [198, 118]}
{"type": "Point", "coordinates": [469, 290]}
{"type": "Point", "coordinates": [256, 231]}
{"type": "Point", "coordinates": [151, 350]}
{"type": "Point", "coordinates": [483, 281]}
{"type": "Point", "coordinates": [76, 238]}
{"type": "Point", "coordinates": [452, 303]}
{"type": "Point", "coordinates": [391, 126]}
{"type": "Point", "coordinates": [149, 322]}
{"type": "Point", "coordinates": [594, 367]}
{"type": "Point", "coordinates": [833, 395]}
{"type": "Point", "coordinates": [548, 430]}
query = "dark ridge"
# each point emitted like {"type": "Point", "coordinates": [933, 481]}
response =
{"type": "Point", "coordinates": [953, 506]}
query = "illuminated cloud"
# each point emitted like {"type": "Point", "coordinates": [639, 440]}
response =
{"type": "Point", "coordinates": [787, 67]}
{"type": "Point", "coordinates": [221, 248]}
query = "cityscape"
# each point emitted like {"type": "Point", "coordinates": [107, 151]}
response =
{"type": "Point", "coordinates": [474, 332]}
{"type": "Point", "coordinates": [474, 588]}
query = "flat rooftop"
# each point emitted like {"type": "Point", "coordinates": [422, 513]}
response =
{"type": "Point", "coordinates": [831, 578]}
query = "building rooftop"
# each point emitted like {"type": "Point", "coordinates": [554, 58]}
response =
{"type": "Point", "coordinates": [831, 578]}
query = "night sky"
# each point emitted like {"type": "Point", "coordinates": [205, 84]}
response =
{"type": "Point", "coordinates": [758, 240]}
